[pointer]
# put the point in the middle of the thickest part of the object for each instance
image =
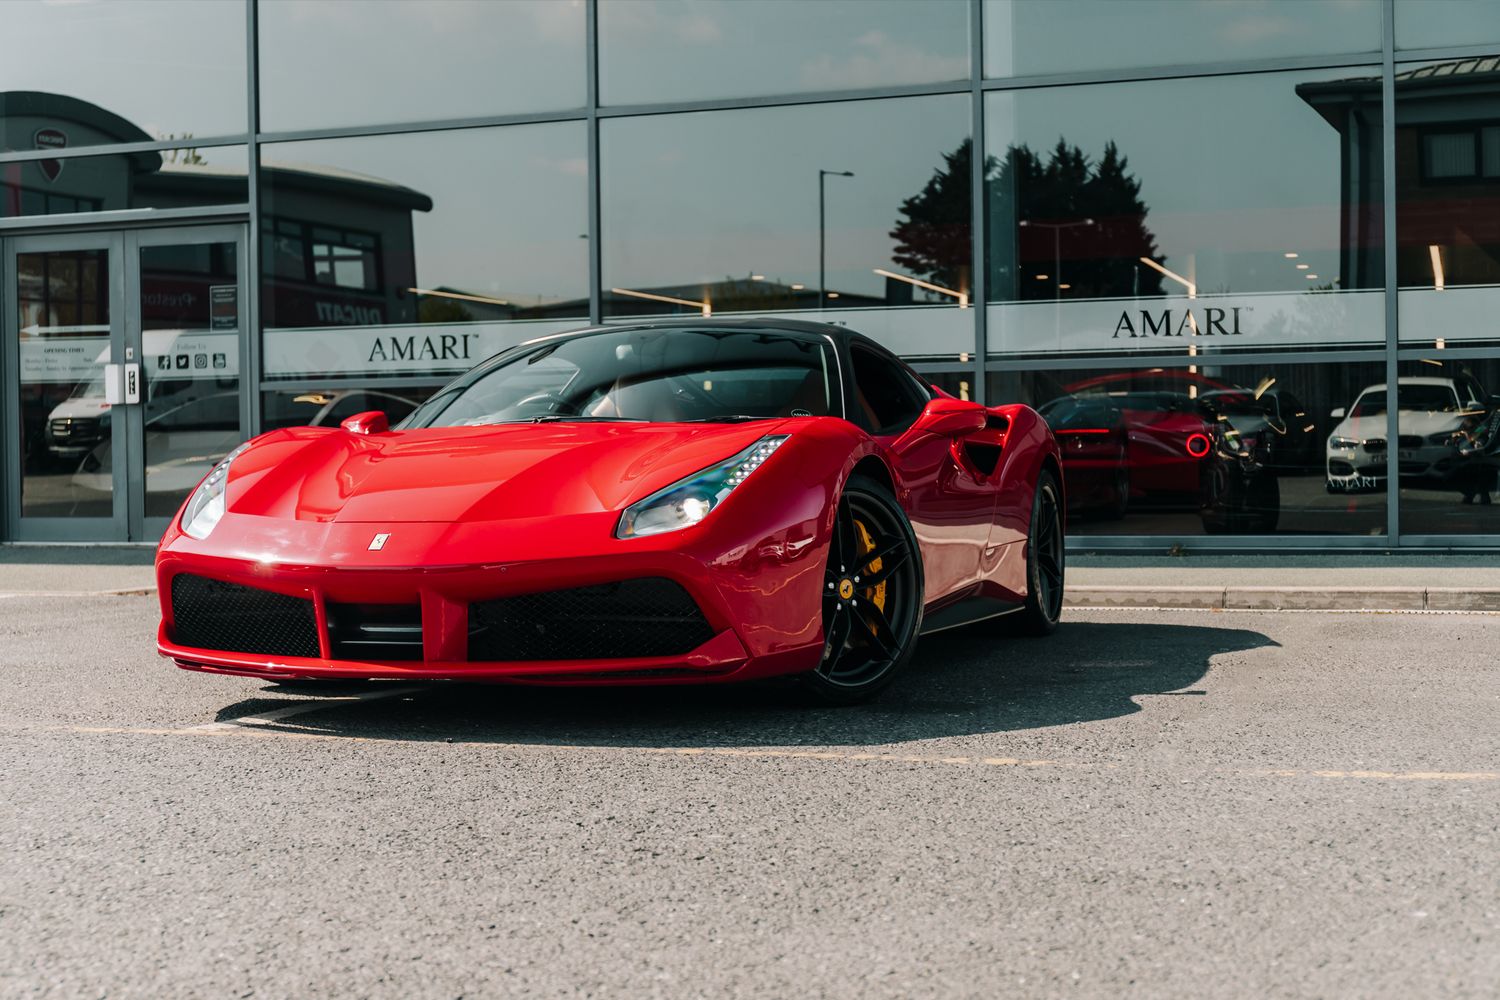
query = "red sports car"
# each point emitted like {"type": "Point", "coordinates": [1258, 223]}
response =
{"type": "Point", "coordinates": [665, 502]}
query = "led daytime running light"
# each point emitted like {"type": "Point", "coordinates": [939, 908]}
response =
{"type": "Point", "coordinates": [690, 500]}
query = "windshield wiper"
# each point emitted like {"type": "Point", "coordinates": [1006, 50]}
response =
{"type": "Point", "coordinates": [725, 418]}
{"type": "Point", "coordinates": [553, 418]}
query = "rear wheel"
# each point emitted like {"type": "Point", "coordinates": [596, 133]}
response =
{"type": "Point", "coordinates": [872, 596]}
{"type": "Point", "coordinates": [1045, 562]}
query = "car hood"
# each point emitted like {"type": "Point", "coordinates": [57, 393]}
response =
{"type": "Point", "coordinates": [466, 474]}
{"type": "Point", "coordinates": [1421, 422]}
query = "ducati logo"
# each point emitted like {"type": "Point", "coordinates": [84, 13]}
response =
{"type": "Point", "coordinates": [378, 542]}
{"type": "Point", "coordinates": [50, 138]}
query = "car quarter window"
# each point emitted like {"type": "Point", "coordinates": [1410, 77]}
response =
{"type": "Point", "coordinates": [885, 394]}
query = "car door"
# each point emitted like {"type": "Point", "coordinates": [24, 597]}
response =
{"type": "Point", "coordinates": [950, 506]}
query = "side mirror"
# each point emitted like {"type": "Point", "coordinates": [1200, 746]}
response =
{"type": "Point", "coordinates": [947, 417]}
{"type": "Point", "coordinates": [368, 422]}
{"type": "Point", "coordinates": [1338, 413]}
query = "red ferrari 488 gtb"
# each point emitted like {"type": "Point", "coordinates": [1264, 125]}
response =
{"type": "Point", "coordinates": [666, 502]}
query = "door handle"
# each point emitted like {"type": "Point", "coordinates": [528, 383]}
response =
{"type": "Point", "coordinates": [133, 382]}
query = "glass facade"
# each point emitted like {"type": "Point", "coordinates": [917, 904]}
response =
{"type": "Point", "coordinates": [1184, 231]}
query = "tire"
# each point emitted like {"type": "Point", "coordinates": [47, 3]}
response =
{"type": "Point", "coordinates": [871, 617]}
{"type": "Point", "coordinates": [1046, 561]}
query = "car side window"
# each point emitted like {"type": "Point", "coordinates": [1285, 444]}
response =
{"type": "Point", "coordinates": [888, 397]}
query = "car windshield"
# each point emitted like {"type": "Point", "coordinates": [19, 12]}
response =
{"type": "Point", "coordinates": [656, 375]}
{"type": "Point", "coordinates": [1439, 398]}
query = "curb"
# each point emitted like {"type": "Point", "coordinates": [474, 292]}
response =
{"type": "Point", "coordinates": [121, 592]}
{"type": "Point", "coordinates": [1287, 598]}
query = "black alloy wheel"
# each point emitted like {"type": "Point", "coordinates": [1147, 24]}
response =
{"type": "Point", "coordinates": [872, 596]}
{"type": "Point", "coordinates": [1045, 563]}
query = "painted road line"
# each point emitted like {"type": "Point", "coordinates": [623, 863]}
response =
{"type": "Point", "coordinates": [230, 729]}
{"type": "Point", "coordinates": [298, 708]}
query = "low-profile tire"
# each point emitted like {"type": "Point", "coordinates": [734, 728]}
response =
{"type": "Point", "coordinates": [872, 597]}
{"type": "Point", "coordinates": [1046, 560]}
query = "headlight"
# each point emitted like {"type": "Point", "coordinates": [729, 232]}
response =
{"type": "Point", "coordinates": [206, 505]}
{"type": "Point", "coordinates": [1343, 442]}
{"type": "Point", "coordinates": [689, 501]}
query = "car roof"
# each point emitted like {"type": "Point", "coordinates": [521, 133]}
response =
{"type": "Point", "coordinates": [793, 327]}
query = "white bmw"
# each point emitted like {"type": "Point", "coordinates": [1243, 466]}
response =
{"type": "Point", "coordinates": [1429, 414]}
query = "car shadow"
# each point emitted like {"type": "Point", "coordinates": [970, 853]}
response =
{"type": "Point", "coordinates": [959, 683]}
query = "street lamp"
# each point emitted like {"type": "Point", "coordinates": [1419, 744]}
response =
{"type": "Point", "coordinates": [823, 235]}
{"type": "Point", "coordinates": [1057, 228]}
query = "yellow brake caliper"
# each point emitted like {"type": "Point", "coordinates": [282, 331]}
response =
{"type": "Point", "coordinates": [876, 594]}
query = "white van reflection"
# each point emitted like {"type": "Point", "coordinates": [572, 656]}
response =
{"type": "Point", "coordinates": [78, 424]}
{"type": "Point", "coordinates": [184, 442]}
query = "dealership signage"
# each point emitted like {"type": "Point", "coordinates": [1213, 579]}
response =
{"type": "Point", "coordinates": [422, 349]}
{"type": "Point", "coordinates": [407, 349]}
{"type": "Point", "coordinates": [1205, 322]}
{"type": "Point", "coordinates": [50, 138]}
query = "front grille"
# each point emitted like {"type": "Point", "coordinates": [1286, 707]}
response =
{"type": "Point", "coordinates": [211, 614]}
{"type": "Point", "coordinates": [1375, 444]}
{"type": "Point", "coordinates": [375, 631]}
{"type": "Point", "coordinates": [75, 428]}
{"type": "Point", "coordinates": [1410, 441]}
{"type": "Point", "coordinates": [646, 617]}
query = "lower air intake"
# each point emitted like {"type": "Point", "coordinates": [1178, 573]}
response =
{"type": "Point", "coordinates": [646, 617]}
{"type": "Point", "coordinates": [211, 614]}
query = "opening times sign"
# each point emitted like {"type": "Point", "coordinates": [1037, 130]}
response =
{"type": "Point", "coordinates": [173, 354]}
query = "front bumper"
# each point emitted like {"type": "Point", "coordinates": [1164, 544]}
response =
{"type": "Point", "coordinates": [747, 636]}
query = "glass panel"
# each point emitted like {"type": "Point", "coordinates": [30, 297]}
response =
{"type": "Point", "coordinates": [331, 406]}
{"type": "Point", "coordinates": [99, 72]}
{"type": "Point", "coordinates": [1448, 202]}
{"type": "Point", "coordinates": [175, 178]}
{"type": "Point", "coordinates": [190, 350]}
{"type": "Point", "coordinates": [676, 50]}
{"type": "Point", "coordinates": [1219, 450]}
{"type": "Point", "coordinates": [958, 384]}
{"type": "Point", "coordinates": [1449, 447]}
{"type": "Point", "coordinates": [343, 62]}
{"type": "Point", "coordinates": [1425, 24]}
{"type": "Point", "coordinates": [703, 215]}
{"type": "Point", "coordinates": [1025, 37]}
{"type": "Point", "coordinates": [421, 253]}
{"type": "Point", "coordinates": [1111, 233]}
{"type": "Point", "coordinates": [63, 301]}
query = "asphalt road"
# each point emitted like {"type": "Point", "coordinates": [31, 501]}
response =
{"type": "Point", "coordinates": [1153, 804]}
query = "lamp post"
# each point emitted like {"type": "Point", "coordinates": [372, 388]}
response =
{"type": "Point", "coordinates": [823, 235]}
{"type": "Point", "coordinates": [1057, 228]}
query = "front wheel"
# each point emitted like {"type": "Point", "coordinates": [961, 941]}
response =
{"type": "Point", "coordinates": [1045, 562]}
{"type": "Point", "coordinates": [872, 596]}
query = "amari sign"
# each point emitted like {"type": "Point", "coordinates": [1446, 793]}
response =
{"type": "Point", "coordinates": [1171, 323]}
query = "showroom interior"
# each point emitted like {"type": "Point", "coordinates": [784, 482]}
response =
{"type": "Point", "coordinates": [1189, 237]}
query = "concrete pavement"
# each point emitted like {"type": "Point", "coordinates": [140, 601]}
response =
{"type": "Point", "coordinates": [1148, 804]}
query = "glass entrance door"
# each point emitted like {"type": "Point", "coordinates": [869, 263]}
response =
{"type": "Point", "coordinates": [122, 355]}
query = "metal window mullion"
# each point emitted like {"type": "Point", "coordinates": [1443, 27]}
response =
{"type": "Point", "coordinates": [591, 103]}
{"type": "Point", "coordinates": [978, 201]}
{"type": "Point", "coordinates": [250, 353]}
{"type": "Point", "coordinates": [1118, 363]}
{"type": "Point", "coordinates": [123, 148]}
{"type": "Point", "coordinates": [1392, 302]}
{"type": "Point", "coordinates": [434, 125]}
{"type": "Point", "coordinates": [1177, 71]}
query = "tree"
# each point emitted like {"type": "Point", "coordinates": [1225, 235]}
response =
{"type": "Point", "coordinates": [1101, 260]}
{"type": "Point", "coordinates": [933, 237]}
